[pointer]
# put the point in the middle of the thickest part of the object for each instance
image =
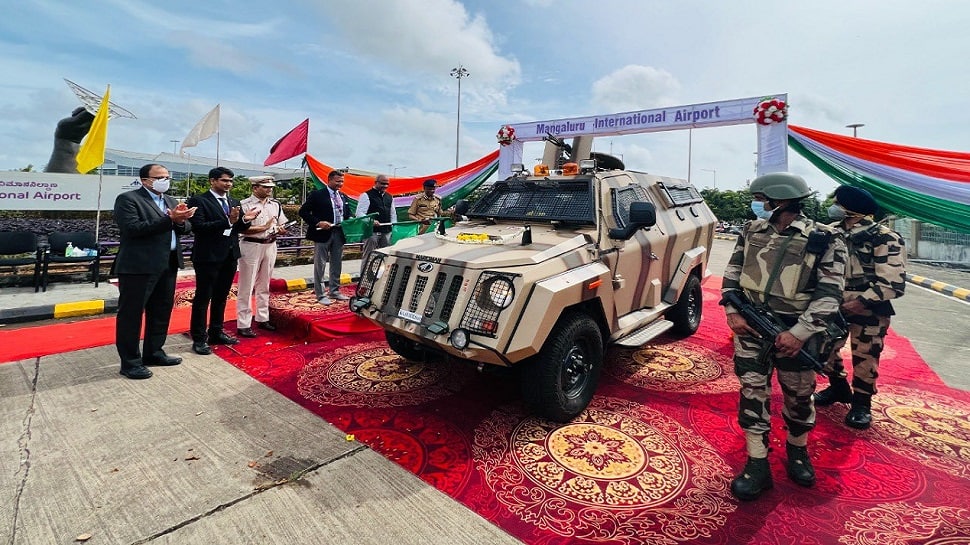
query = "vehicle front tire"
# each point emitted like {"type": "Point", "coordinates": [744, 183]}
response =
{"type": "Point", "coordinates": [686, 314]}
{"type": "Point", "coordinates": [560, 381]}
{"type": "Point", "coordinates": [405, 347]}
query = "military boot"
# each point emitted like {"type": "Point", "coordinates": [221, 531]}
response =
{"type": "Point", "coordinates": [800, 467]}
{"type": "Point", "coordinates": [860, 415]}
{"type": "Point", "coordinates": [837, 392]}
{"type": "Point", "coordinates": [754, 479]}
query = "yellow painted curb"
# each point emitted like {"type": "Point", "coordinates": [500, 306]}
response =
{"type": "Point", "coordinates": [296, 284]}
{"type": "Point", "coordinates": [345, 279]}
{"type": "Point", "coordinates": [917, 278]}
{"type": "Point", "coordinates": [962, 293]}
{"type": "Point", "coordinates": [80, 308]}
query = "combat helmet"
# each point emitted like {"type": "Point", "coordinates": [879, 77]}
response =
{"type": "Point", "coordinates": [779, 186]}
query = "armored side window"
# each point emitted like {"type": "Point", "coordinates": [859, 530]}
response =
{"type": "Point", "coordinates": [622, 198]}
{"type": "Point", "coordinates": [680, 195]}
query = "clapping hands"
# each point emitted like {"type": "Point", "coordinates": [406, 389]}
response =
{"type": "Point", "coordinates": [181, 213]}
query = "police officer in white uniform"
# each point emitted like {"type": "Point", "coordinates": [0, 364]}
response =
{"type": "Point", "coordinates": [258, 248]}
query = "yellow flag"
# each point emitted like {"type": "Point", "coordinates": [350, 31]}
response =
{"type": "Point", "coordinates": [91, 154]}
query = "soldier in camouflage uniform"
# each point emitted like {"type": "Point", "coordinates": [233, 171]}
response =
{"type": "Point", "coordinates": [874, 274]}
{"type": "Point", "coordinates": [786, 262]}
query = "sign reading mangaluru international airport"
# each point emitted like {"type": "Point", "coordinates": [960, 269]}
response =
{"type": "Point", "coordinates": [45, 191]}
{"type": "Point", "coordinates": [711, 114]}
{"type": "Point", "coordinates": [772, 138]}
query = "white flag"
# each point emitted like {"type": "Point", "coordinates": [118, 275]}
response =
{"type": "Point", "coordinates": [205, 128]}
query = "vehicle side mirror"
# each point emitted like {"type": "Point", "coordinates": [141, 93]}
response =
{"type": "Point", "coordinates": [642, 214]}
{"type": "Point", "coordinates": [461, 207]}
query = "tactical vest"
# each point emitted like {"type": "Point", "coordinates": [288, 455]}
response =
{"type": "Point", "coordinates": [781, 267]}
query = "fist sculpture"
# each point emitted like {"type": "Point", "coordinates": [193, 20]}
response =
{"type": "Point", "coordinates": [67, 140]}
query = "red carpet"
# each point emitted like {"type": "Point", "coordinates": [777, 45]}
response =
{"type": "Point", "coordinates": [68, 335]}
{"type": "Point", "coordinates": [650, 461]}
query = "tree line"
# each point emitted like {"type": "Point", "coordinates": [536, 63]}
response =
{"type": "Point", "coordinates": [734, 207]}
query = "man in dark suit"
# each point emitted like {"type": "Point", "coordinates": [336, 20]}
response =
{"type": "Point", "coordinates": [217, 225]}
{"type": "Point", "coordinates": [323, 211]}
{"type": "Point", "coordinates": [148, 260]}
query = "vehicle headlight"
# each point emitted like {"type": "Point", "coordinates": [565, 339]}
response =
{"type": "Point", "coordinates": [496, 292]}
{"type": "Point", "coordinates": [459, 339]}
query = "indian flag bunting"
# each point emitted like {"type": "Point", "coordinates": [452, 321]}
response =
{"type": "Point", "coordinates": [929, 185]}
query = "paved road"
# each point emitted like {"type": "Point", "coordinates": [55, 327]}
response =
{"type": "Point", "coordinates": [936, 324]}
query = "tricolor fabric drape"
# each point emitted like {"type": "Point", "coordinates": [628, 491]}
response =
{"type": "Point", "coordinates": [929, 185]}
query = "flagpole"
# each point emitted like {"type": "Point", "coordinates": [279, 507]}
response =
{"type": "Point", "coordinates": [304, 186]}
{"type": "Point", "coordinates": [97, 223]}
{"type": "Point", "coordinates": [188, 181]}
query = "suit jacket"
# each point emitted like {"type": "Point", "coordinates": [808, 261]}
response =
{"type": "Point", "coordinates": [319, 207]}
{"type": "Point", "coordinates": [146, 233]}
{"type": "Point", "coordinates": [209, 223]}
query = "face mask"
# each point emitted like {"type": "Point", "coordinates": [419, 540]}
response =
{"type": "Point", "coordinates": [758, 208]}
{"type": "Point", "coordinates": [162, 185]}
{"type": "Point", "coordinates": [836, 212]}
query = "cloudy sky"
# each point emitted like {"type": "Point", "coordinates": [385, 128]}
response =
{"type": "Point", "coordinates": [373, 75]}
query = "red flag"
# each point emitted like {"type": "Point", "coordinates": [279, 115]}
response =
{"type": "Point", "coordinates": [292, 144]}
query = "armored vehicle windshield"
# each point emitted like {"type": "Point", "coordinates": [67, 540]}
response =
{"type": "Point", "coordinates": [569, 201]}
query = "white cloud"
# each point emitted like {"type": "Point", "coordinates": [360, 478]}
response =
{"type": "Point", "coordinates": [635, 87]}
{"type": "Point", "coordinates": [427, 36]}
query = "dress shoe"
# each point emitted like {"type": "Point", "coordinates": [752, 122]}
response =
{"type": "Point", "coordinates": [221, 337]}
{"type": "Point", "coordinates": [246, 332]}
{"type": "Point", "coordinates": [340, 297]}
{"type": "Point", "coordinates": [325, 300]}
{"type": "Point", "coordinates": [268, 326]}
{"type": "Point", "coordinates": [138, 372]}
{"type": "Point", "coordinates": [201, 348]}
{"type": "Point", "coordinates": [163, 360]}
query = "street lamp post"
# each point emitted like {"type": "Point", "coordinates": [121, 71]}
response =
{"type": "Point", "coordinates": [714, 172]}
{"type": "Point", "coordinates": [458, 73]}
{"type": "Point", "coordinates": [394, 170]}
{"type": "Point", "coordinates": [855, 128]}
{"type": "Point", "coordinates": [174, 142]}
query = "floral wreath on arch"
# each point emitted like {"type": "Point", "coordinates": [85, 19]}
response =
{"type": "Point", "coordinates": [770, 110]}
{"type": "Point", "coordinates": [506, 134]}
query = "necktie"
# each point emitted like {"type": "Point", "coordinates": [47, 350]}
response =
{"type": "Point", "coordinates": [338, 207]}
{"type": "Point", "coordinates": [225, 205]}
{"type": "Point", "coordinates": [164, 208]}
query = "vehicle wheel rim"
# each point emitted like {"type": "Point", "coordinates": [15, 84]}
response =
{"type": "Point", "coordinates": [693, 308]}
{"type": "Point", "coordinates": [576, 368]}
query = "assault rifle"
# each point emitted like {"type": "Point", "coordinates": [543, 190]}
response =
{"type": "Point", "coordinates": [765, 324]}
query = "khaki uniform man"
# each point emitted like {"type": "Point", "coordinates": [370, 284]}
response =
{"type": "Point", "coordinates": [875, 273]}
{"type": "Point", "coordinates": [425, 206]}
{"type": "Point", "coordinates": [257, 246]}
{"type": "Point", "coordinates": [785, 262]}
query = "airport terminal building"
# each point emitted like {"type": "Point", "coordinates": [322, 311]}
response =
{"type": "Point", "coordinates": [127, 163]}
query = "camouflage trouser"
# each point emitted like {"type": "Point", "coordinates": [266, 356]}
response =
{"type": "Point", "coordinates": [868, 333]}
{"type": "Point", "coordinates": [797, 387]}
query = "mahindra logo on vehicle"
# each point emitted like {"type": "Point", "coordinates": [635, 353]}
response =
{"type": "Point", "coordinates": [425, 267]}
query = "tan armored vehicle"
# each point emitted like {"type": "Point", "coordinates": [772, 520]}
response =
{"type": "Point", "coordinates": [546, 272]}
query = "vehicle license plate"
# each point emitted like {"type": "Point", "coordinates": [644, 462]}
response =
{"type": "Point", "coordinates": [409, 316]}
